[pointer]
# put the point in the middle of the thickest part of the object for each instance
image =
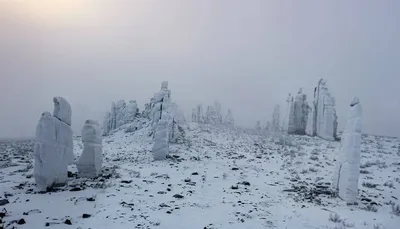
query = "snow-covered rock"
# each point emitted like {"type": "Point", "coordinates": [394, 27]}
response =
{"type": "Point", "coordinates": [285, 122]}
{"type": "Point", "coordinates": [347, 171]}
{"type": "Point", "coordinates": [310, 121]}
{"type": "Point", "coordinates": [63, 113]}
{"type": "Point", "coordinates": [299, 115]}
{"type": "Point", "coordinates": [90, 162]}
{"type": "Point", "coordinates": [177, 114]}
{"type": "Point", "coordinates": [161, 140]}
{"type": "Point", "coordinates": [62, 110]}
{"type": "Point", "coordinates": [50, 151]}
{"type": "Point", "coordinates": [324, 118]}
{"type": "Point", "coordinates": [129, 112]}
{"type": "Point", "coordinates": [229, 120]}
{"type": "Point", "coordinates": [162, 104]}
{"type": "Point", "coordinates": [121, 114]}
{"type": "Point", "coordinates": [276, 119]}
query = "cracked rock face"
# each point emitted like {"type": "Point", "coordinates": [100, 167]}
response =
{"type": "Point", "coordinates": [348, 163]}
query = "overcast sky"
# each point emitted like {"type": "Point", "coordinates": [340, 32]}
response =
{"type": "Point", "coordinates": [247, 54]}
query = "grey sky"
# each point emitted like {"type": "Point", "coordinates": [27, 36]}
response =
{"type": "Point", "coordinates": [247, 54]}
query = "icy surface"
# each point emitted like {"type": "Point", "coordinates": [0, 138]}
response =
{"type": "Point", "coordinates": [218, 178]}
{"type": "Point", "coordinates": [348, 163]}
{"type": "Point", "coordinates": [91, 159]}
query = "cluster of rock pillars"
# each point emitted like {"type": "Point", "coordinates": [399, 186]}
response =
{"type": "Point", "coordinates": [53, 150]}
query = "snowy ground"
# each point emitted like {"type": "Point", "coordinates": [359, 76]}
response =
{"type": "Point", "coordinates": [217, 179]}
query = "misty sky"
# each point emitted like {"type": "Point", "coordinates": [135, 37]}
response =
{"type": "Point", "coordinates": [247, 54]}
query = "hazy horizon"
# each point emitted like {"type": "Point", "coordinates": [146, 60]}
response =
{"type": "Point", "coordinates": [247, 55]}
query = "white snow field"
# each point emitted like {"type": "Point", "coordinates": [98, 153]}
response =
{"type": "Point", "coordinates": [218, 178]}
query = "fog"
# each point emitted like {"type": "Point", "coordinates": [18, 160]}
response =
{"type": "Point", "coordinates": [248, 55]}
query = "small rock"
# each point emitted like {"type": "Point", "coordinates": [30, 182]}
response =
{"type": "Point", "coordinates": [4, 202]}
{"type": "Point", "coordinates": [68, 222]}
{"type": "Point", "coordinates": [90, 199]}
{"type": "Point", "coordinates": [195, 174]}
{"type": "Point", "coordinates": [21, 221]}
{"type": "Point", "coordinates": [85, 216]}
{"type": "Point", "coordinates": [187, 180]}
{"type": "Point", "coordinates": [162, 205]}
{"type": "Point", "coordinates": [126, 181]}
{"type": "Point", "coordinates": [162, 192]}
{"type": "Point", "coordinates": [234, 168]}
{"type": "Point", "coordinates": [75, 189]}
{"type": "Point", "coordinates": [168, 189]}
{"type": "Point", "coordinates": [47, 225]}
{"type": "Point", "coordinates": [245, 183]}
{"type": "Point", "coordinates": [234, 187]}
{"type": "Point", "coordinates": [169, 212]}
{"type": "Point", "coordinates": [178, 196]}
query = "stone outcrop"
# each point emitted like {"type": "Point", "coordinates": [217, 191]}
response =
{"type": "Point", "coordinates": [286, 118]}
{"type": "Point", "coordinates": [229, 120]}
{"type": "Point", "coordinates": [121, 113]}
{"type": "Point", "coordinates": [90, 162]}
{"type": "Point", "coordinates": [53, 150]}
{"type": "Point", "coordinates": [324, 118]}
{"type": "Point", "coordinates": [298, 115]}
{"type": "Point", "coordinates": [276, 119]}
{"type": "Point", "coordinates": [347, 171]}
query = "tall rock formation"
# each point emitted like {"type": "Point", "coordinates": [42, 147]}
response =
{"type": "Point", "coordinates": [162, 122]}
{"type": "Point", "coordinates": [91, 159]}
{"type": "Point", "coordinates": [347, 171]}
{"type": "Point", "coordinates": [324, 118]}
{"type": "Point", "coordinates": [229, 120]}
{"type": "Point", "coordinates": [53, 150]}
{"type": "Point", "coordinates": [285, 123]}
{"type": "Point", "coordinates": [276, 119]}
{"type": "Point", "coordinates": [121, 114]}
{"type": "Point", "coordinates": [298, 115]}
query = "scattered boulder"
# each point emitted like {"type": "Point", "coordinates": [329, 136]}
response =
{"type": "Point", "coordinates": [4, 202]}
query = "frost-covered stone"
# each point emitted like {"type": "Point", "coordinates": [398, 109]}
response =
{"type": "Point", "coordinates": [177, 114]}
{"type": "Point", "coordinates": [63, 113]}
{"type": "Point", "coordinates": [194, 115]}
{"type": "Point", "coordinates": [218, 112]}
{"type": "Point", "coordinates": [53, 150]}
{"type": "Point", "coordinates": [161, 143]}
{"type": "Point", "coordinates": [62, 110]}
{"type": "Point", "coordinates": [129, 112]}
{"type": "Point", "coordinates": [162, 104]}
{"type": "Point", "coordinates": [347, 171]}
{"type": "Point", "coordinates": [50, 166]}
{"type": "Point", "coordinates": [285, 122]}
{"type": "Point", "coordinates": [200, 114]}
{"type": "Point", "coordinates": [276, 119]}
{"type": "Point", "coordinates": [298, 115]}
{"type": "Point", "coordinates": [229, 120]}
{"type": "Point", "coordinates": [121, 114]}
{"type": "Point", "coordinates": [324, 118]}
{"type": "Point", "coordinates": [310, 121]}
{"type": "Point", "coordinates": [90, 162]}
